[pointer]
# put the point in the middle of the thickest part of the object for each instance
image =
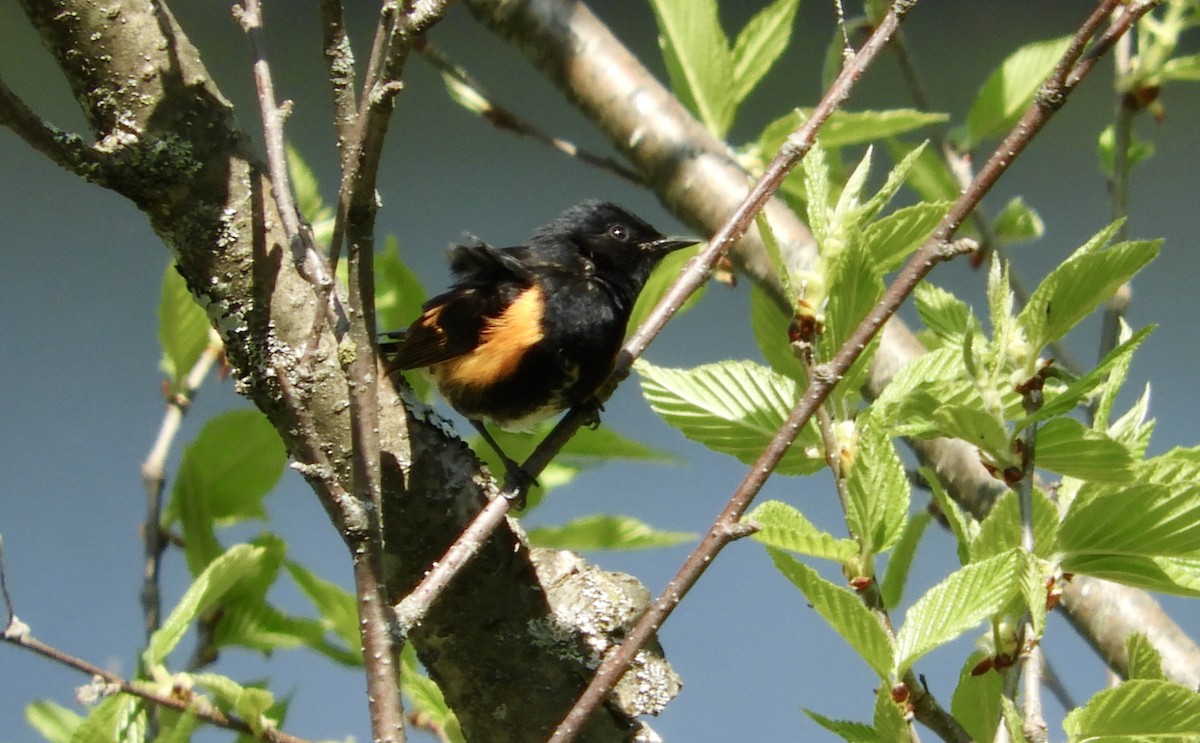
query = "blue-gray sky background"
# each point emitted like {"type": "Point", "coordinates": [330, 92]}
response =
{"type": "Point", "coordinates": [79, 371]}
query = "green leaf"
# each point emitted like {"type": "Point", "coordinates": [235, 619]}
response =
{"type": "Point", "coordinates": [946, 315]}
{"type": "Point", "coordinates": [660, 281]}
{"type": "Point", "coordinates": [698, 59]}
{"type": "Point", "coordinates": [1106, 147]}
{"type": "Point", "coordinates": [207, 589]}
{"type": "Point", "coordinates": [116, 719]}
{"type": "Point", "coordinates": [426, 699]}
{"type": "Point", "coordinates": [770, 327]}
{"type": "Point", "coordinates": [183, 329]}
{"type": "Point", "coordinates": [847, 730]}
{"type": "Point", "coordinates": [848, 128]}
{"type": "Point", "coordinates": [843, 610]}
{"type": "Point", "coordinates": [734, 407]}
{"type": "Point", "coordinates": [1137, 710]}
{"type": "Point", "coordinates": [935, 367]}
{"type": "Point", "coordinates": [891, 239]}
{"type": "Point", "coordinates": [177, 727]}
{"type": "Point", "coordinates": [232, 464]}
{"type": "Point", "coordinates": [962, 525]}
{"type": "Point", "coordinates": [52, 721]}
{"type": "Point", "coordinates": [930, 176]}
{"type": "Point", "coordinates": [889, 719]}
{"type": "Point", "coordinates": [760, 44]}
{"type": "Point", "coordinates": [1010, 89]}
{"type": "Point", "coordinates": [308, 191]}
{"type": "Point", "coordinates": [976, 700]}
{"type": "Point", "coordinates": [783, 527]}
{"type": "Point", "coordinates": [606, 532]}
{"type": "Point", "coordinates": [1065, 446]}
{"type": "Point", "coordinates": [1017, 222]}
{"type": "Point", "coordinates": [926, 416]}
{"type": "Point", "coordinates": [1172, 575]}
{"type": "Point", "coordinates": [1070, 397]}
{"type": "Point", "coordinates": [336, 606]}
{"type": "Point", "coordinates": [1144, 660]}
{"type": "Point", "coordinates": [1178, 467]}
{"type": "Point", "coordinates": [224, 475]}
{"type": "Point", "coordinates": [961, 601]}
{"type": "Point", "coordinates": [1000, 530]}
{"type": "Point", "coordinates": [891, 185]}
{"type": "Point", "coordinates": [877, 509]}
{"type": "Point", "coordinates": [1078, 285]}
{"type": "Point", "coordinates": [1146, 519]}
{"type": "Point", "coordinates": [819, 187]}
{"type": "Point", "coordinates": [247, 702]}
{"type": "Point", "coordinates": [891, 589]}
{"type": "Point", "coordinates": [1184, 68]}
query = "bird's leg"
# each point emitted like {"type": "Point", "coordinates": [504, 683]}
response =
{"type": "Point", "coordinates": [591, 409]}
{"type": "Point", "coordinates": [521, 480]}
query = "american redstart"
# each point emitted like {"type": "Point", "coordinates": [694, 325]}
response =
{"type": "Point", "coordinates": [529, 331]}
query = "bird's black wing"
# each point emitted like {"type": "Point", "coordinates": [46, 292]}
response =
{"type": "Point", "coordinates": [488, 279]}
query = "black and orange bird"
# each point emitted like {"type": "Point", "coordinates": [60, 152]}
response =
{"type": "Point", "coordinates": [528, 331]}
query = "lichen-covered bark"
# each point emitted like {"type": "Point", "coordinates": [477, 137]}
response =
{"type": "Point", "coordinates": [509, 663]}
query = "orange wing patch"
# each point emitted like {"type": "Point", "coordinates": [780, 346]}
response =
{"type": "Point", "coordinates": [502, 344]}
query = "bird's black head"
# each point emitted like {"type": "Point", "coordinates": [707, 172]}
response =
{"type": "Point", "coordinates": [618, 243]}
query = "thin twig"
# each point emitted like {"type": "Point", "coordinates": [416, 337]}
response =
{"type": "Point", "coordinates": [506, 119]}
{"type": "Point", "coordinates": [937, 248]}
{"type": "Point", "coordinates": [153, 479]}
{"type": "Point", "coordinates": [339, 59]}
{"type": "Point", "coordinates": [18, 635]}
{"type": "Point", "coordinates": [65, 149]}
{"type": "Point", "coordinates": [379, 644]}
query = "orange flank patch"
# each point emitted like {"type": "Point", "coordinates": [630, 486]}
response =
{"type": "Point", "coordinates": [502, 344]}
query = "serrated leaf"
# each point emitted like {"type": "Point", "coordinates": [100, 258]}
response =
{"type": "Point", "coordinates": [52, 721]}
{"type": "Point", "coordinates": [847, 730]}
{"type": "Point", "coordinates": [1070, 397]}
{"type": "Point", "coordinates": [926, 416]}
{"type": "Point", "coordinates": [962, 525]}
{"type": "Point", "coordinates": [961, 601]}
{"type": "Point", "coordinates": [1143, 661]}
{"type": "Point", "coordinates": [247, 702]}
{"type": "Point", "coordinates": [843, 610]}
{"type": "Point", "coordinates": [426, 699]}
{"type": "Point", "coordinates": [1065, 446]}
{"type": "Point", "coordinates": [1017, 222]}
{"type": "Point", "coordinates": [116, 719]}
{"type": "Point", "coordinates": [930, 176]}
{"type": "Point", "coordinates": [1146, 519]}
{"type": "Point", "coordinates": [183, 329]}
{"type": "Point", "coordinates": [895, 179]}
{"type": "Point", "coordinates": [1010, 89]}
{"type": "Point", "coordinates": [1178, 467]}
{"type": "Point", "coordinates": [942, 365]}
{"type": "Point", "coordinates": [734, 407]}
{"type": "Point", "coordinates": [891, 589]}
{"type": "Point", "coordinates": [1079, 285]}
{"type": "Point", "coordinates": [946, 315]}
{"type": "Point", "coordinates": [1000, 530]}
{"type": "Point", "coordinates": [891, 239]}
{"type": "Point", "coordinates": [976, 700]}
{"type": "Point", "coordinates": [337, 607]}
{"type": "Point", "coordinates": [783, 527]}
{"type": "Point", "coordinates": [889, 719]}
{"type": "Point", "coordinates": [1139, 709]}
{"type": "Point", "coordinates": [877, 509]}
{"type": "Point", "coordinates": [698, 60]}
{"type": "Point", "coordinates": [770, 327]}
{"type": "Point", "coordinates": [848, 128]}
{"type": "Point", "coordinates": [606, 532]}
{"type": "Point", "coordinates": [1176, 576]}
{"type": "Point", "coordinates": [760, 44]}
{"type": "Point", "coordinates": [175, 727]}
{"type": "Point", "coordinates": [208, 587]}
{"type": "Point", "coordinates": [818, 187]}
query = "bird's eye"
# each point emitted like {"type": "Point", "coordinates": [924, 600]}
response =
{"type": "Point", "coordinates": [618, 232]}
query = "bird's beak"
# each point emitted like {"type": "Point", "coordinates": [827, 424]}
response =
{"type": "Point", "coordinates": [664, 245]}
